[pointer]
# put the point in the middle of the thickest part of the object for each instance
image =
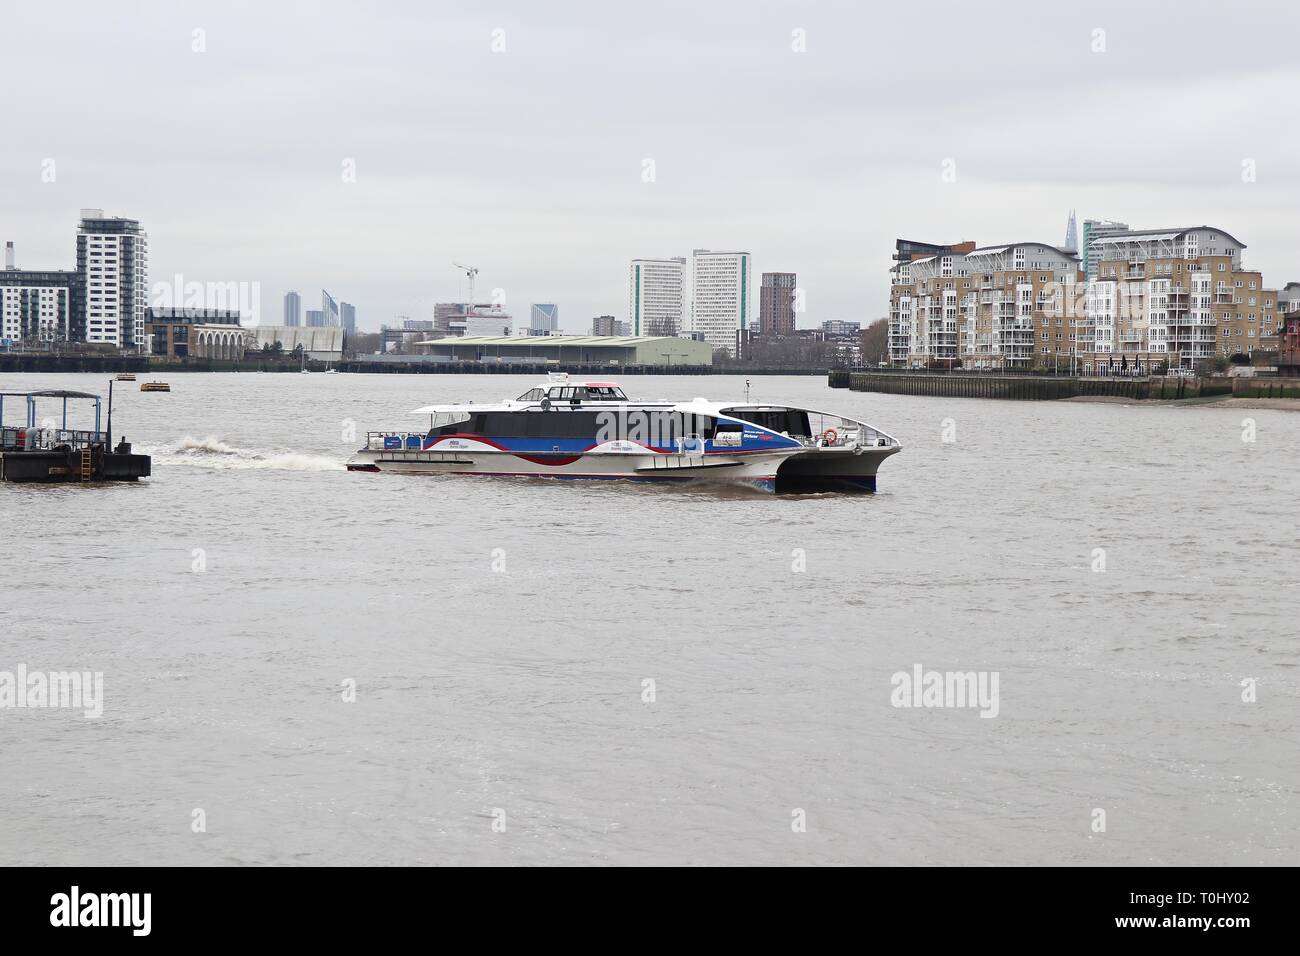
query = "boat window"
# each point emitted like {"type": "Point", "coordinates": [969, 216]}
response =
{"type": "Point", "coordinates": [792, 421]}
{"type": "Point", "coordinates": [571, 425]}
{"type": "Point", "coordinates": [558, 424]}
{"type": "Point", "coordinates": [604, 393]}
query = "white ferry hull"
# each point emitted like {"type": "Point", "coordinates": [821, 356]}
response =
{"type": "Point", "coordinates": [782, 469]}
{"type": "Point", "coordinates": [756, 470]}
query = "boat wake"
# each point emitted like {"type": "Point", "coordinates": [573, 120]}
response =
{"type": "Point", "coordinates": [213, 453]}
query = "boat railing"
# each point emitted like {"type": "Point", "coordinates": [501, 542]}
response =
{"type": "Point", "coordinates": [14, 438]}
{"type": "Point", "coordinates": [835, 431]}
{"type": "Point", "coordinates": [692, 444]}
{"type": "Point", "coordinates": [394, 441]}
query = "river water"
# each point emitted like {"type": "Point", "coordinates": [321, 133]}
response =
{"type": "Point", "coordinates": [606, 672]}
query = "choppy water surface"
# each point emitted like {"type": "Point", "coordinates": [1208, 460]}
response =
{"type": "Point", "coordinates": [500, 631]}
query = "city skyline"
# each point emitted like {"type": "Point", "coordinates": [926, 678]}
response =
{"type": "Point", "coordinates": [858, 171]}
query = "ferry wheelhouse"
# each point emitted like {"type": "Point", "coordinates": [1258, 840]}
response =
{"type": "Point", "coordinates": [563, 428]}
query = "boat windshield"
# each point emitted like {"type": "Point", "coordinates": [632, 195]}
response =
{"type": "Point", "coordinates": [447, 421]}
{"type": "Point", "coordinates": [575, 393]}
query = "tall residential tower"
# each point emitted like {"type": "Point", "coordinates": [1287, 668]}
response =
{"type": "Point", "coordinates": [112, 280]}
{"type": "Point", "coordinates": [656, 297]}
{"type": "Point", "coordinates": [721, 286]}
{"type": "Point", "coordinates": [1095, 230]}
{"type": "Point", "coordinates": [776, 304]}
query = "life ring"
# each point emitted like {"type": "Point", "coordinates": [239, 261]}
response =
{"type": "Point", "coordinates": [830, 436]}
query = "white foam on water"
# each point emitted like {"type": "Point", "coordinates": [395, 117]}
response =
{"type": "Point", "coordinates": [212, 452]}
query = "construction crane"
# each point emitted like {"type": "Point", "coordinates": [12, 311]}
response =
{"type": "Point", "coordinates": [471, 272]}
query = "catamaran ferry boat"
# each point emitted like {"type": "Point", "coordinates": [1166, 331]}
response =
{"type": "Point", "coordinates": [564, 428]}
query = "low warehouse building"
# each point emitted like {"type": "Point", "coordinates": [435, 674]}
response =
{"type": "Point", "coordinates": [322, 343]}
{"type": "Point", "coordinates": [619, 350]}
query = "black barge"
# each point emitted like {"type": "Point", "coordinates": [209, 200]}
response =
{"type": "Point", "coordinates": [42, 453]}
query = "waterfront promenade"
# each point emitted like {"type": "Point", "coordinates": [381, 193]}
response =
{"type": "Point", "coordinates": [1053, 387]}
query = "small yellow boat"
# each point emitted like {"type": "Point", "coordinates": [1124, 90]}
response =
{"type": "Point", "coordinates": [155, 387]}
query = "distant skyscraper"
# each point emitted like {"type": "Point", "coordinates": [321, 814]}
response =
{"type": "Point", "coordinates": [720, 297]}
{"type": "Point", "coordinates": [604, 325]}
{"type": "Point", "coordinates": [1071, 243]}
{"type": "Point", "coordinates": [330, 308]}
{"type": "Point", "coordinates": [656, 298]}
{"type": "Point", "coordinates": [545, 319]}
{"type": "Point", "coordinates": [776, 304]}
{"type": "Point", "coordinates": [348, 316]}
{"type": "Point", "coordinates": [292, 309]}
{"type": "Point", "coordinates": [315, 318]}
{"type": "Point", "coordinates": [112, 280]}
{"type": "Point", "coordinates": [1093, 230]}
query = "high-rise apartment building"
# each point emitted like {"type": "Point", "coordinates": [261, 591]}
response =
{"type": "Point", "coordinates": [315, 318]}
{"type": "Point", "coordinates": [35, 306]}
{"type": "Point", "coordinates": [292, 309]}
{"type": "Point", "coordinates": [776, 304]}
{"type": "Point", "coordinates": [112, 281]}
{"type": "Point", "coordinates": [721, 286]}
{"type": "Point", "coordinates": [656, 300]}
{"type": "Point", "coordinates": [348, 317]}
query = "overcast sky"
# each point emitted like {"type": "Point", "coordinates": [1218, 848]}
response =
{"type": "Point", "coordinates": [528, 162]}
